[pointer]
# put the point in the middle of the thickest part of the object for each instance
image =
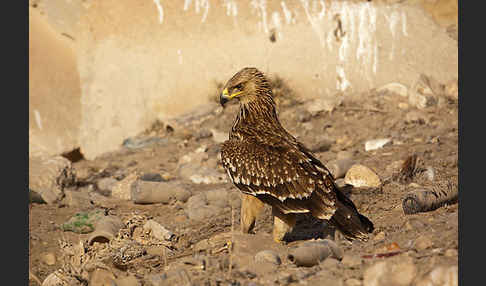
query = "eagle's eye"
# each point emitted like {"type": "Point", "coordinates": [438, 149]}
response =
{"type": "Point", "coordinates": [239, 86]}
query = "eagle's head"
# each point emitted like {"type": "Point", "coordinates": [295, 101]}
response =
{"type": "Point", "coordinates": [247, 85]}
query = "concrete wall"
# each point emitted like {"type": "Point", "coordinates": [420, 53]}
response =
{"type": "Point", "coordinates": [54, 90]}
{"type": "Point", "coordinates": [142, 60]}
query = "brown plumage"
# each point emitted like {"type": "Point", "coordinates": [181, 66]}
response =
{"type": "Point", "coordinates": [267, 164]}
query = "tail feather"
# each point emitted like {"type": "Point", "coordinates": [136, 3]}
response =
{"type": "Point", "coordinates": [349, 221]}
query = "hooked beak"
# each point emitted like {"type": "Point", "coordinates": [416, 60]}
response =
{"type": "Point", "coordinates": [225, 96]}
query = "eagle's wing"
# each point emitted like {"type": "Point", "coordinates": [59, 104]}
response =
{"type": "Point", "coordinates": [282, 174]}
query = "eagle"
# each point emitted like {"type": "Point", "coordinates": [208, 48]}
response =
{"type": "Point", "coordinates": [270, 166]}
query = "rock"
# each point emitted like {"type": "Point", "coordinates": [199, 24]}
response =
{"type": "Point", "coordinates": [129, 280]}
{"type": "Point", "coordinates": [202, 134]}
{"type": "Point", "coordinates": [208, 176]}
{"type": "Point", "coordinates": [351, 261]}
{"type": "Point", "coordinates": [376, 143]}
{"type": "Point", "coordinates": [138, 143]}
{"type": "Point", "coordinates": [199, 169]}
{"type": "Point", "coordinates": [158, 231]}
{"type": "Point", "coordinates": [218, 136]}
{"type": "Point", "coordinates": [167, 177]}
{"type": "Point", "coordinates": [48, 177]}
{"type": "Point", "coordinates": [361, 176]}
{"type": "Point", "coordinates": [122, 189]}
{"type": "Point", "coordinates": [414, 224]}
{"type": "Point", "coordinates": [268, 256]}
{"type": "Point", "coordinates": [353, 282]}
{"type": "Point", "coordinates": [398, 271]}
{"type": "Point", "coordinates": [77, 198]}
{"type": "Point", "coordinates": [394, 87]}
{"type": "Point", "coordinates": [379, 236]}
{"type": "Point", "coordinates": [441, 275]}
{"type": "Point", "coordinates": [303, 116]}
{"type": "Point", "coordinates": [313, 252]}
{"type": "Point", "coordinates": [423, 242]}
{"type": "Point", "coordinates": [101, 277]}
{"type": "Point", "coordinates": [416, 116]}
{"type": "Point", "coordinates": [421, 101]}
{"type": "Point", "coordinates": [223, 198]}
{"type": "Point", "coordinates": [430, 173]}
{"type": "Point", "coordinates": [338, 168]}
{"type": "Point", "coordinates": [151, 177]}
{"type": "Point", "coordinates": [328, 103]}
{"type": "Point", "coordinates": [147, 192]}
{"type": "Point", "coordinates": [170, 277]}
{"type": "Point", "coordinates": [323, 144]}
{"type": "Point", "coordinates": [451, 252]}
{"type": "Point", "coordinates": [329, 263]}
{"type": "Point", "coordinates": [197, 208]}
{"type": "Point", "coordinates": [344, 155]}
{"type": "Point", "coordinates": [195, 158]}
{"type": "Point", "coordinates": [48, 258]}
{"type": "Point", "coordinates": [106, 184]}
{"type": "Point", "coordinates": [452, 90]}
{"type": "Point", "coordinates": [403, 105]}
{"type": "Point", "coordinates": [59, 278]}
{"type": "Point", "coordinates": [105, 229]}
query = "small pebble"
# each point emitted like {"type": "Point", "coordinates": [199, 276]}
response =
{"type": "Point", "coordinates": [353, 282]}
{"type": "Point", "coordinates": [218, 136]}
{"type": "Point", "coordinates": [376, 143]}
{"type": "Point", "coordinates": [351, 261]}
{"type": "Point", "coordinates": [451, 252]}
{"type": "Point", "coordinates": [380, 236]}
{"type": "Point", "coordinates": [268, 256]}
{"type": "Point", "coordinates": [106, 184]}
{"type": "Point", "coordinates": [394, 87]}
{"type": "Point", "coordinates": [101, 277]}
{"type": "Point", "coordinates": [423, 242]}
{"type": "Point", "coordinates": [403, 105]}
{"type": "Point", "coordinates": [416, 116]}
{"type": "Point", "coordinates": [329, 263]}
{"type": "Point", "coordinates": [151, 177]}
{"type": "Point", "coordinates": [441, 275]}
{"type": "Point", "coordinates": [49, 258]}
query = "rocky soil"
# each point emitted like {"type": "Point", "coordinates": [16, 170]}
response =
{"type": "Point", "coordinates": [177, 215]}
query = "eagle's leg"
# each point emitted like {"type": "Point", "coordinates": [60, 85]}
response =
{"type": "Point", "coordinates": [251, 207]}
{"type": "Point", "coordinates": [282, 224]}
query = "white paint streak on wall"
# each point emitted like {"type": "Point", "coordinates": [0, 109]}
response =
{"type": "Point", "coordinates": [277, 24]}
{"type": "Point", "coordinates": [315, 21]}
{"type": "Point", "coordinates": [375, 60]}
{"type": "Point", "coordinates": [344, 48]}
{"type": "Point", "coordinates": [343, 83]}
{"type": "Point", "coordinates": [179, 55]}
{"type": "Point", "coordinates": [187, 3]}
{"type": "Point", "coordinates": [261, 7]}
{"type": "Point", "coordinates": [231, 7]}
{"type": "Point", "coordinates": [404, 24]}
{"type": "Point", "coordinates": [393, 21]}
{"type": "Point", "coordinates": [160, 9]}
{"type": "Point", "coordinates": [288, 15]}
{"type": "Point", "coordinates": [367, 49]}
{"type": "Point", "coordinates": [202, 5]}
{"type": "Point", "coordinates": [38, 120]}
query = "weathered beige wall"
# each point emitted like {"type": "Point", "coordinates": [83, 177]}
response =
{"type": "Point", "coordinates": [142, 60]}
{"type": "Point", "coordinates": [54, 91]}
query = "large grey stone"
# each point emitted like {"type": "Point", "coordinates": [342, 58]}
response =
{"type": "Point", "coordinates": [48, 177]}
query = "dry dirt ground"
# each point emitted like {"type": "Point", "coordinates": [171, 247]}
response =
{"type": "Point", "coordinates": [205, 252]}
